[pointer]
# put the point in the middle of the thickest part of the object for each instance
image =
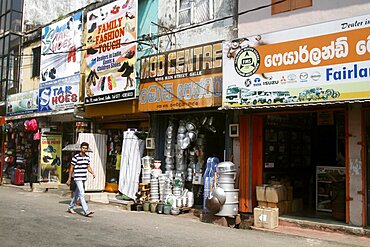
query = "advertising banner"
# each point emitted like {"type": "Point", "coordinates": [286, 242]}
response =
{"type": "Point", "coordinates": [317, 63]}
{"type": "Point", "coordinates": [111, 53]}
{"type": "Point", "coordinates": [51, 153]}
{"type": "Point", "coordinates": [21, 103]}
{"type": "Point", "coordinates": [60, 64]}
{"type": "Point", "coordinates": [182, 79]}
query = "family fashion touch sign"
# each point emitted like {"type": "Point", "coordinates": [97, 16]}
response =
{"type": "Point", "coordinates": [111, 53]}
{"type": "Point", "coordinates": [181, 79]}
{"type": "Point", "coordinates": [317, 63]}
{"type": "Point", "coordinates": [60, 64]}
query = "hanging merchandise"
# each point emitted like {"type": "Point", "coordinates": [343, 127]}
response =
{"type": "Point", "coordinates": [130, 164]}
{"type": "Point", "coordinates": [209, 175]}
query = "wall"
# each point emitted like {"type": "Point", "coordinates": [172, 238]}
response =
{"type": "Point", "coordinates": [220, 30]}
{"type": "Point", "coordinates": [27, 82]}
{"type": "Point", "coordinates": [261, 21]}
{"type": "Point", "coordinates": [39, 12]}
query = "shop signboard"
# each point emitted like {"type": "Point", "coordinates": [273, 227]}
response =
{"type": "Point", "coordinates": [21, 103]}
{"type": "Point", "coordinates": [111, 53]}
{"type": "Point", "coordinates": [317, 63]}
{"type": "Point", "coordinates": [60, 64]}
{"type": "Point", "coordinates": [51, 155]}
{"type": "Point", "coordinates": [181, 79]}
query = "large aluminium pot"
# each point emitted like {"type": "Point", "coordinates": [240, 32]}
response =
{"type": "Point", "coordinates": [226, 166]}
{"type": "Point", "coordinates": [229, 209]}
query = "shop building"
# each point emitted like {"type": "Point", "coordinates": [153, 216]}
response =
{"type": "Point", "coordinates": [300, 98]}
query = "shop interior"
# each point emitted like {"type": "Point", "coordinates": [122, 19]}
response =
{"type": "Point", "coordinates": [305, 152]}
{"type": "Point", "coordinates": [188, 158]}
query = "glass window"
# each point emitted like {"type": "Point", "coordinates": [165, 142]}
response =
{"type": "Point", "coordinates": [8, 4]}
{"type": "Point", "coordinates": [3, 7]}
{"type": "Point", "coordinates": [16, 24]}
{"type": "Point", "coordinates": [1, 47]}
{"type": "Point", "coordinates": [6, 44]}
{"type": "Point", "coordinates": [5, 68]}
{"type": "Point", "coordinates": [184, 12]}
{"type": "Point", "coordinates": [2, 24]}
{"type": "Point", "coordinates": [7, 22]}
{"type": "Point", "coordinates": [194, 11]}
{"type": "Point", "coordinates": [17, 5]}
{"type": "Point", "coordinates": [1, 65]}
{"type": "Point", "coordinates": [36, 56]}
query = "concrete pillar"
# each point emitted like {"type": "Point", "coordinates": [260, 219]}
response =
{"type": "Point", "coordinates": [355, 165]}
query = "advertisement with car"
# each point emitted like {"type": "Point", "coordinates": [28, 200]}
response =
{"type": "Point", "coordinates": [318, 63]}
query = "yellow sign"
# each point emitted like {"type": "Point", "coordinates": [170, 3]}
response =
{"type": "Point", "coordinates": [51, 155]}
{"type": "Point", "coordinates": [182, 79]}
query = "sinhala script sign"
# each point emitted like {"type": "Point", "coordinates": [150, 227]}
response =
{"type": "Point", "coordinates": [323, 62]}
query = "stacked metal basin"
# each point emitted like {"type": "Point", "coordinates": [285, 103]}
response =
{"type": "Point", "coordinates": [226, 180]}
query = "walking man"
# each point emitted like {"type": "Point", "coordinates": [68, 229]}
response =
{"type": "Point", "coordinates": [80, 165]}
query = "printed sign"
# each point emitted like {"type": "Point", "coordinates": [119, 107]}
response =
{"type": "Point", "coordinates": [60, 63]}
{"type": "Point", "coordinates": [22, 103]}
{"type": "Point", "coordinates": [51, 155]}
{"type": "Point", "coordinates": [111, 53]}
{"type": "Point", "coordinates": [182, 79]}
{"type": "Point", "coordinates": [318, 63]}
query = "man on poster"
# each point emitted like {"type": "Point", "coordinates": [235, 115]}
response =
{"type": "Point", "coordinates": [80, 165]}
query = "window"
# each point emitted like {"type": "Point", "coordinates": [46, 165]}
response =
{"type": "Point", "coordinates": [289, 5]}
{"type": "Point", "coordinates": [36, 56]}
{"type": "Point", "coordinates": [193, 11]}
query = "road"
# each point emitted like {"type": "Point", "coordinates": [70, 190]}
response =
{"type": "Point", "coordinates": [40, 219]}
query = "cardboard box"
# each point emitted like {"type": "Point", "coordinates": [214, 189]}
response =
{"type": "Point", "coordinates": [266, 217]}
{"type": "Point", "coordinates": [262, 204]}
{"type": "Point", "coordinates": [261, 192]}
{"type": "Point", "coordinates": [281, 206]}
{"type": "Point", "coordinates": [275, 193]}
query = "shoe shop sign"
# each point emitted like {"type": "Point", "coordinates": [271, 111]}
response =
{"type": "Point", "coordinates": [182, 79]}
{"type": "Point", "coordinates": [60, 64]}
{"type": "Point", "coordinates": [327, 62]}
{"type": "Point", "coordinates": [51, 153]}
{"type": "Point", "coordinates": [111, 53]}
{"type": "Point", "coordinates": [22, 103]}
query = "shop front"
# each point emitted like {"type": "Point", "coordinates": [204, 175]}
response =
{"type": "Point", "coordinates": [300, 98]}
{"type": "Point", "coordinates": [181, 90]}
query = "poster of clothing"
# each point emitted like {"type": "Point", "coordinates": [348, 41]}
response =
{"type": "Point", "coordinates": [51, 152]}
{"type": "Point", "coordinates": [21, 103]}
{"type": "Point", "coordinates": [60, 64]}
{"type": "Point", "coordinates": [111, 52]}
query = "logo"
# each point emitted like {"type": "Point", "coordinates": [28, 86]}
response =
{"type": "Point", "coordinates": [282, 80]}
{"type": "Point", "coordinates": [316, 76]}
{"type": "Point", "coordinates": [247, 82]}
{"type": "Point", "coordinates": [303, 77]}
{"type": "Point", "coordinates": [247, 61]}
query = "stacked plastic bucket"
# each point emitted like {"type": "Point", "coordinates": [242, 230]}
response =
{"type": "Point", "coordinates": [226, 180]}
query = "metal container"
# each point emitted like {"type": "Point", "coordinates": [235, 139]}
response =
{"type": "Point", "coordinates": [153, 207]}
{"type": "Point", "coordinates": [220, 194]}
{"type": "Point", "coordinates": [232, 196]}
{"type": "Point", "coordinates": [229, 209]}
{"type": "Point", "coordinates": [226, 166]}
{"type": "Point", "coordinates": [167, 209]}
{"type": "Point", "coordinates": [227, 186]}
{"type": "Point", "coordinates": [146, 206]}
{"type": "Point", "coordinates": [160, 207]}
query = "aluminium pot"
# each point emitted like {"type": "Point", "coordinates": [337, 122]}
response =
{"type": "Point", "coordinates": [226, 186]}
{"type": "Point", "coordinates": [220, 194]}
{"type": "Point", "coordinates": [226, 166]}
{"type": "Point", "coordinates": [232, 196]}
{"type": "Point", "coordinates": [229, 209]}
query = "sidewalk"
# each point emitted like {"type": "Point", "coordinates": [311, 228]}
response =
{"type": "Point", "coordinates": [313, 230]}
{"type": "Point", "coordinates": [347, 235]}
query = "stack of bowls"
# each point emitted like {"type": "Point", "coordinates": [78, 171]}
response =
{"type": "Point", "coordinates": [145, 175]}
{"type": "Point", "coordinates": [162, 180]}
{"type": "Point", "coordinates": [226, 180]}
{"type": "Point", "coordinates": [154, 190]}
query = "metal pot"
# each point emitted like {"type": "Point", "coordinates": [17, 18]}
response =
{"type": "Point", "coordinates": [190, 126]}
{"type": "Point", "coordinates": [220, 194]}
{"type": "Point", "coordinates": [192, 135]}
{"type": "Point", "coordinates": [212, 204]}
{"type": "Point", "coordinates": [226, 166]}
{"type": "Point", "coordinates": [229, 209]}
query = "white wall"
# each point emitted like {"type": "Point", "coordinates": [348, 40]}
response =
{"type": "Point", "coordinates": [40, 12]}
{"type": "Point", "coordinates": [261, 21]}
{"type": "Point", "coordinates": [221, 30]}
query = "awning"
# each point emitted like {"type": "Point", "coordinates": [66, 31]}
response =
{"type": "Point", "coordinates": [38, 114]}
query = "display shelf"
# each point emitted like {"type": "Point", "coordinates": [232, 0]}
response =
{"type": "Point", "coordinates": [325, 177]}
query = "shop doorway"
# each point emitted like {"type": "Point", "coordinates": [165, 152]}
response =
{"type": "Point", "coordinates": [305, 153]}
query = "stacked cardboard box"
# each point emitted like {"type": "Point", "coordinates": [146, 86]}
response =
{"type": "Point", "coordinates": [275, 196]}
{"type": "Point", "coordinates": [266, 217]}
